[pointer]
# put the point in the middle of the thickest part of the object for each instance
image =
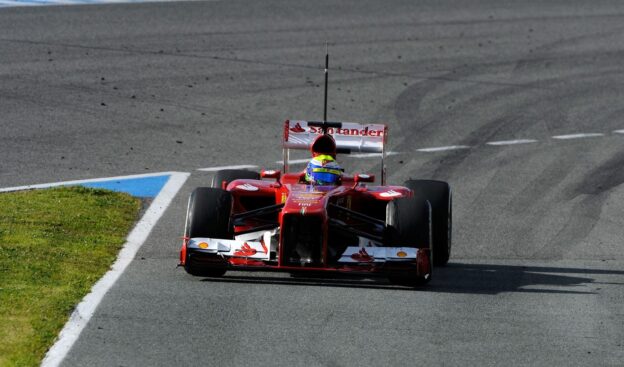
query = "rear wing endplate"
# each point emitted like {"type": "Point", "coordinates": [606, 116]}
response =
{"type": "Point", "coordinates": [350, 138]}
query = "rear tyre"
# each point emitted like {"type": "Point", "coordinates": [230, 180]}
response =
{"type": "Point", "coordinates": [229, 175]}
{"type": "Point", "coordinates": [208, 215]}
{"type": "Point", "coordinates": [438, 193]}
{"type": "Point", "coordinates": [408, 223]}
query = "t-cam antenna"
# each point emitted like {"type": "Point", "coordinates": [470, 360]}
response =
{"type": "Point", "coordinates": [326, 77]}
{"type": "Point", "coordinates": [325, 125]}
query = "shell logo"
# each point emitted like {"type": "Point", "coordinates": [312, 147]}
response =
{"type": "Point", "coordinates": [203, 245]}
{"type": "Point", "coordinates": [401, 254]}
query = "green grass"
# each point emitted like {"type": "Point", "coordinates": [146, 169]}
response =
{"type": "Point", "coordinates": [54, 245]}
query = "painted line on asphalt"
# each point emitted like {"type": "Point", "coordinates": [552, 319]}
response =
{"type": "Point", "coordinates": [213, 169]}
{"type": "Point", "coordinates": [146, 187]}
{"type": "Point", "coordinates": [85, 309]}
{"type": "Point", "coordinates": [427, 150]}
{"type": "Point", "coordinates": [442, 149]}
{"type": "Point", "coordinates": [577, 136]}
{"type": "Point", "coordinates": [295, 161]}
{"type": "Point", "coordinates": [511, 142]}
{"type": "Point", "coordinates": [358, 156]}
{"type": "Point", "coordinates": [369, 155]}
{"type": "Point", "coordinates": [86, 181]}
{"type": "Point", "coordinates": [14, 3]}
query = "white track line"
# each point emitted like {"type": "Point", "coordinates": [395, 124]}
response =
{"type": "Point", "coordinates": [511, 142]}
{"type": "Point", "coordinates": [213, 169]}
{"type": "Point", "coordinates": [14, 3]}
{"type": "Point", "coordinates": [358, 155]}
{"type": "Point", "coordinates": [369, 155]}
{"type": "Point", "coordinates": [78, 182]}
{"type": "Point", "coordinates": [441, 149]}
{"type": "Point", "coordinates": [431, 149]}
{"type": "Point", "coordinates": [577, 136]}
{"type": "Point", "coordinates": [295, 161]}
{"type": "Point", "coordinates": [85, 309]}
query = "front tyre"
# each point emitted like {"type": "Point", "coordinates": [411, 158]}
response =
{"type": "Point", "coordinates": [408, 223]}
{"type": "Point", "coordinates": [438, 193]}
{"type": "Point", "coordinates": [208, 215]}
{"type": "Point", "coordinates": [229, 175]}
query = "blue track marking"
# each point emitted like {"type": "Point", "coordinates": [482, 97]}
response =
{"type": "Point", "coordinates": [147, 187]}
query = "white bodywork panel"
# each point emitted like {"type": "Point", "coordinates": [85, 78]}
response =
{"type": "Point", "coordinates": [255, 245]}
{"type": "Point", "coordinates": [378, 254]}
{"type": "Point", "coordinates": [259, 245]}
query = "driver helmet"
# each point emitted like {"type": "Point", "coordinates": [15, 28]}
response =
{"type": "Point", "coordinates": [323, 170]}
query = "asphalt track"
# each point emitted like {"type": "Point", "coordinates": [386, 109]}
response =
{"type": "Point", "coordinates": [536, 276]}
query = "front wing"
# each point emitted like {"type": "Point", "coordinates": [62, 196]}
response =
{"type": "Point", "coordinates": [259, 253]}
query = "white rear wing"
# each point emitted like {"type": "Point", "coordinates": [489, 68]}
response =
{"type": "Point", "coordinates": [350, 137]}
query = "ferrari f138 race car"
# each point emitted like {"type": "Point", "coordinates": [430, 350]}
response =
{"type": "Point", "coordinates": [277, 221]}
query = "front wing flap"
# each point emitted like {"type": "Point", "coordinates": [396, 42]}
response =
{"type": "Point", "coordinates": [259, 249]}
{"type": "Point", "coordinates": [358, 255]}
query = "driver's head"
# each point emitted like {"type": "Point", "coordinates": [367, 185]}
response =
{"type": "Point", "coordinates": [323, 170]}
{"type": "Point", "coordinates": [324, 145]}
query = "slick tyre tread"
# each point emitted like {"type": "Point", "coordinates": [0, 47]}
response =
{"type": "Point", "coordinates": [408, 223]}
{"type": "Point", "coordinates": [208, 215]}
{"type": "Point", "coordinates": [439, 195]}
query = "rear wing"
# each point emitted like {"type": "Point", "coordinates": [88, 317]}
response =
{"type": "Point", "coordinates": [350, 138]}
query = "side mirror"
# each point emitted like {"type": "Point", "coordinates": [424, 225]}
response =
{"type": "Point", "coordinates": [271, 173]}
{"type": "Point", "coordinates": [364, 177]}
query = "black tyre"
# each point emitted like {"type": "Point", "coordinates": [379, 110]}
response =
{"type": "Point", "coordinates": [208, 215]}
{"type": "Point", "coordinates": [408, 223]}
{"type": "Point", "coordinates": [438, 193]}
{"type": "Point", "coordinates": [229, 175]}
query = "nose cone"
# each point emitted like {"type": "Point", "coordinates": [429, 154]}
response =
{"type": "Point", "coordinates": [305, 202]}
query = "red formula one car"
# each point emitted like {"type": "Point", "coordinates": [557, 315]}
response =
{"type": "Point", "coordinates": [276, 221]}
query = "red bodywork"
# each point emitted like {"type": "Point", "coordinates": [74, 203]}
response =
{"type": "Point", "coordinates": [320, 205]}
{"type": "Point", "coordinates": [316, 228]}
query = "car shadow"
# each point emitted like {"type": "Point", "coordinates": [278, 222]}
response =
{"type": "Point", "coordinates": [493, 279]}
{"type": "Point", "coordinates": [312, 279]}
{"type": "Point", "coordinates": [453, 278]}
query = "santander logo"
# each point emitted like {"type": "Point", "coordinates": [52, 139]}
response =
{"type": "Point", "coordinates": [297, 128]}
{"type": "Point", "coordinates": [349, 130]}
